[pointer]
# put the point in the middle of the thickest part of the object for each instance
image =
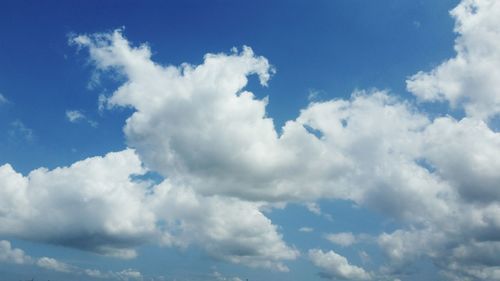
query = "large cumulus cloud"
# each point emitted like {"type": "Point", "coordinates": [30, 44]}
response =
{"type": "Point", "coordinates": [98, 205]}
{"type": "Point", "coordinates": [199, 127]}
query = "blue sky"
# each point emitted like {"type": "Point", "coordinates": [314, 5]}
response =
{"type": "Point", "coordinates": [363, 146]}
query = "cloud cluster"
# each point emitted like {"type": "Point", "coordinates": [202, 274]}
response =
{"type": "Point", "coordinates": [223, 162]}
{"type": "Point", "coordinates": [76, 116]}
{"type": "Point", "coordinates": [199, 127]}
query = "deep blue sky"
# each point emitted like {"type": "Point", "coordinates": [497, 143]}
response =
{"type": "Point", "coordinates": [331, 47]}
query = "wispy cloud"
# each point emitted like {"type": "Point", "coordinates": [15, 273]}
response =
{"type": "Point", "coordinates": [19, 131]}
{"type": "Point", "coordinates": [76, 116]}
{"type": "Point", "coordinates": [306, 229]}
{"type": "Point", "coordinates": [3, 99]}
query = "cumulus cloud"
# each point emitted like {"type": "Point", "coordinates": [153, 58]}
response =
{"type": "Point", "coordinates": [470, 79]}
{"type": "Point", "coordinates": [465, 153]}
{"type": "Point", "coordinates": [95, 205]}
{"type": "Point", "coordinates": [335, 266]}
{"type": "Point", "coordinates": [227, 228]}
{"type": "Point", "coordinates": [13, 255]}
{"type": "Point", "coordinates": [91, 205]}
{"type": "Point", "coordinates": [197, 126]}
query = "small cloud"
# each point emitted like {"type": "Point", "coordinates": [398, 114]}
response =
{"type": "Point", "coordinates": [129, 274]}
{"type": "Point", "coordinates": [335, 266]}
{"type": "Point", "coordinates": [417, 24]}
{"type": "Point", "coordinates": [314, 94]}
{"type": "Point", "coordinates": [306, 229]}
{"type": "Point", "coordinates": [76, 116]}
{"type": "Point", "coordinates": [220, 277]}
{"type": "Point", "coordinates": [102, 102]}
{"type": "Point", "coordinates": [53, 264]}
{"type": "Point", "coordinates": [343, 239]}
{"type": "Point", "coordinates": [365, 258]}
{"type": "Point", "coordinates": [313, 208]}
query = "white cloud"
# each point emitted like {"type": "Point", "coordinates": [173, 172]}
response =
{"type": "Point", "coordinates": [94, 205]}
{"type": "Point", "coordinates": [129, 274]}
{"type": "Point", "coordinates": [465, 153]}
{"type": "Point", "coordinates": [471, 78]}
{"type": "Point", "coordinates": [306, 229]}
{"type": "Point", "coordinates": [207, 132]}
{"type": "Point", "coordinates": [335, 266]}
{"type": "Point", "coordinates": [227, 228]}
{"type": "Point", "coordinates": [343, 238]}
{"type": "Point", "coordinates": [91, 205]}
{"type": "Point", "coordinates": [9, 254]}
{"type": "Point", "coordinates": [53, 264]}
{"type": "Point", "coordinates": [75, 116]}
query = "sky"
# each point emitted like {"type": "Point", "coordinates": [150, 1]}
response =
{"type": "Point", "coordinates": [264, 140]}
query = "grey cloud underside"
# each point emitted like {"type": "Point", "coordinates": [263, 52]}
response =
{"type": "Point", "coordinates": [224, 162]}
